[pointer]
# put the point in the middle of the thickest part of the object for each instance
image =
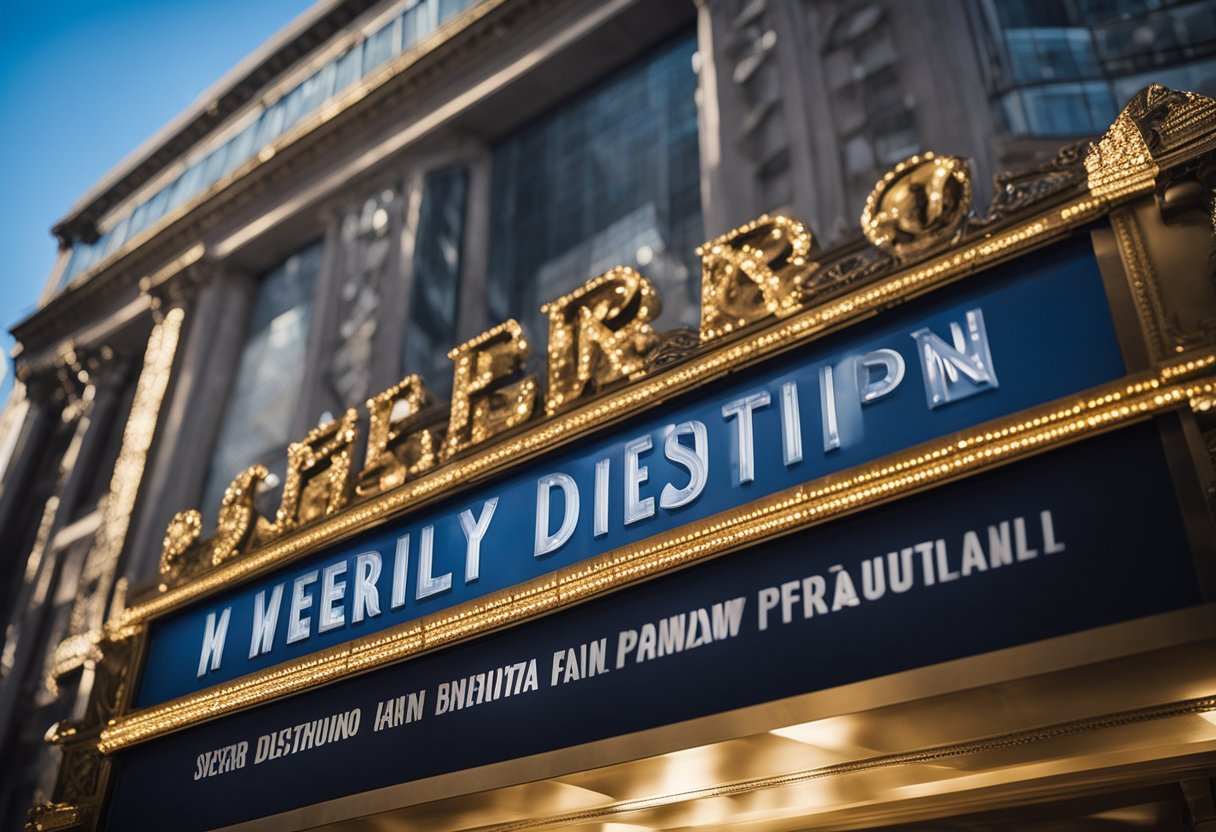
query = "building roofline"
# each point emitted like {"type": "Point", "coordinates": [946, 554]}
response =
{"type": "Point", "coordinates": [210, 110]}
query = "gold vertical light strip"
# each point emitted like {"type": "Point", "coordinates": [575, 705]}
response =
{"type": "Point", "coordinates": [97, 580]}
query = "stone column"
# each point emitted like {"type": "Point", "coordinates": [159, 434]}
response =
{"type": "Point", "coordinates": [178, 464]}
{"type": "Point", "coordinates": [749, 163]}
{"type": "Point", "coordinates": [94, 406]}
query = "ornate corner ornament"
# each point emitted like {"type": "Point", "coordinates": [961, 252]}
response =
{"type": "Point", "coordinates": [1156, 123]}
{"type": "Point", "coordinates": [919, 205]}
{"type": "Point", "coordinates": [765, 291]}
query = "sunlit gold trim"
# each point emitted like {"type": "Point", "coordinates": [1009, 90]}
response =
{"type": "Point", "coordinates": [46, 817]}
{"type": "Point", "coordinates": [1199, 706]}
{"type": "Point", "coordinates": [645, 393]}
{"type": "Point", "coordinates": [1003, 440]}
{"type": "Point", "coordinates": [99, 572]}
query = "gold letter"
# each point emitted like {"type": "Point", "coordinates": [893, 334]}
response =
{"type": "Point", "coordinates": [483, 406]}
{"type": "Point", "coordinates": [237, 514]}
{"type": "Point", "coordinates": [318, 471]}
{"type": "Point", "coordinates": [599, 333]}
{"type": "Point", "coordinates": [392, 453]}
{"type": "Point", "coordinates": [753, 272]}
{"type": "Point", "coordinates": [180, 535]}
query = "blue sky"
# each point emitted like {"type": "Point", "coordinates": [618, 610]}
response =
{"type": "Point", "coordinates": [81, 85]}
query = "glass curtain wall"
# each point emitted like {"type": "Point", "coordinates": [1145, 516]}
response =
{"type": "Point", "coordinates": [1066, 67]}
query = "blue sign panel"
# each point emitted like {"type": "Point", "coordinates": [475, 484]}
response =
{"type": "Point", "coordinates": [1014, 337]}
{"type": "Point", "coordinates": [1052, 545]}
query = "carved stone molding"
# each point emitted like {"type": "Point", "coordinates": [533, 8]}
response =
{"type": "Point", "coordinates": [1024, 190]}
{"type": "Point", "coordinates": [177, 233]}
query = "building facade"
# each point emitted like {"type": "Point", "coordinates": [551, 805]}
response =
{"type": "Point", "coordinates": [384, 184]}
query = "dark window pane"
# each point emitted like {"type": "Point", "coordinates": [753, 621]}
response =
{"type": "Point", "coordinates": [611, 177]}
{"type": "Point", "coordinates": [266, 389]}
{"type": "Point", "coordinates": [431, 330]}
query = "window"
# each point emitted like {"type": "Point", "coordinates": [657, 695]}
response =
{"type": "Point", "coordinates": [1059, 109]}
{"type": "Point", "coordinates": [419, 19]}
{"type": "Point", "coordinates": [367, 242]}
{"type": "Point", "coordinates": [266, 389]}
{"type": "Point", "coordinates": [611, 177]}
{"type": "Point", "coordinates": [1070, 66]}
{"type": "Point", "coordinates": [431, 330]}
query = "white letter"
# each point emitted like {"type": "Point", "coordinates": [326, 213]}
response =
{"type": "Point", "coordinates": [827, 406]}
{"type": "Point", "coordinates": [298, 627]}
{"type": "Point", "coordinates": [474, 531]}
{"type": "Point", "coordinates": [636, 508]}
{"type": "Point", "coordinates": [367, 572]}
{"type": "Point", "coordinates": [428, 584]}
{"type": "Point", "coordinates": [601, 497]}
{"type": "Point", "coordinates": [696, 460]}
{"type": "Point", "coordinates": [892, 364]}
{"type": "Point", "coordinates": [331, 590]}
{"type": "Point", "coordinates": [769, 596]}
{"type": "Point", "coordinates": [791, 425]}
{"type": "Point", "coordinates": [745, 463]}
{"type": "Point", "coordinates": [1051, 546]}
{"type": "Point", "coordinates": [401, 563]}
{"type": "Point", "coordinates": [944, 367]}
{"type": "Point", "coordinates": [213, 642]}
{"type": "Point", "coordinates": [265, 619]}
{"type": "Point", "coordinates": [545, 542]}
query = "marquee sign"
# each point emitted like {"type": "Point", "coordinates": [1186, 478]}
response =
{"type": "Point", "coordinates": [862, 463]}
{"type": "Point", "coordinates": [928, 369]}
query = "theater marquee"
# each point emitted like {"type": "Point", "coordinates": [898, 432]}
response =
{"type": "Point", "coordinates": [966, 437]}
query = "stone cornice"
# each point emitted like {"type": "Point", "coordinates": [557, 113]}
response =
{"type": "Point", "coordinates": [316, 136]}
{"type": "Point", "coordinates": [81, 221]}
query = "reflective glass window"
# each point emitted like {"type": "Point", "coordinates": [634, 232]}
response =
{"type": "Point", "coordinates": [451, 8]}
{"type": "Point", "coordinates": [382, 45]}
{"type": "Point", "coordinates": [271, 124]}
{"type": "Point", "coordinates": [417, 22]}
{"type": "Point", "coordinates": [215, 164]}
{"type": "Point", "coordinates": [1060, 109]}
{"type": "Point", "coordinates": [431, 330]}
{"type": "Point", "coordinates": [364, 264]}
{"type": "Point", "coordinates": [611, 177]}
{"type": "Point", "coordinates": [187, 186]}
{"type": "Point", "coordinates": [348, 68]}
{"type": "Point", "coordinates": [241, 147]}
{"type": "Point", "coordinates": [266, 388]}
